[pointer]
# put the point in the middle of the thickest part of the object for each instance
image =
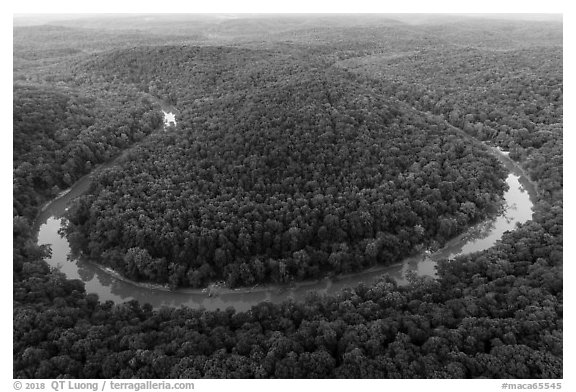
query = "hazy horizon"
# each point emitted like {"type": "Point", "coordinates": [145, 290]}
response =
{"type": "Point", "coordinates": [21, 19]}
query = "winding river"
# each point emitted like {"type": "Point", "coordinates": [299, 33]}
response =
{"type": "Point", "coordinates": [519, 201]}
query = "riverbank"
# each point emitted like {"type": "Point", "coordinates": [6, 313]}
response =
{"type": "Point", "coordinates": [110, 285]}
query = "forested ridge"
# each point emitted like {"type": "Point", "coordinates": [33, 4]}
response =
{"type": "Point", "coordinates": [388, 177]}
{"type": "Point", "coordinates": [61, 134]}
{"type": "Point", "coordinates": [289, 177]}
{"type": "Point", "coordinates": [512, 98]}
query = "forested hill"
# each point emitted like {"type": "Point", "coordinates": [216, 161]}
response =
{"type": "Point", "coordinates": [188, 72]}
{"type": "Point", "coordinates": [320, 148]}
{"type": "Point", "coordinates": [53, 43]}
{"type": "Point", "coordinates": [279, 170]}
{"type": "Point", "coordinates": [62, 133]}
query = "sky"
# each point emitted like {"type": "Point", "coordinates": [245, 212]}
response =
{"type": "Point", "coordinates": [232, 6]}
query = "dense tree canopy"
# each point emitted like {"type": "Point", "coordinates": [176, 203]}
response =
{"type": "Point", "coordinates": [490, 315]}
{"type": "Point", "coordinates": [324, 147]}
{"type": "Point", "coordinates": [306, 173]}
{"type": "Point", "coordinates": [61, 134]}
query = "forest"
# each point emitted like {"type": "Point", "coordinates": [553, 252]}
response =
{"type": "Point", "coordinates": [314, 150]}
{"type": "Point", "coordinates": [250, 191]}
{"type": "Point", "coordinates": [61, 134]}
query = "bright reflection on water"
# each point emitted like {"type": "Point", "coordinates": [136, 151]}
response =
{"type": "Point", "coordinates": [110, 287]}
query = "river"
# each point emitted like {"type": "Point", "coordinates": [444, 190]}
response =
{"type": "Point", "coordinates": [519, 200]}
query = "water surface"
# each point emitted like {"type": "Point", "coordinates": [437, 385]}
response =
{"type": "Point", "coordinates": [519, 200]}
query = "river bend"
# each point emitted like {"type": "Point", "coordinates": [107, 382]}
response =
{"type": "Point", "coordinates": [519, 200]}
